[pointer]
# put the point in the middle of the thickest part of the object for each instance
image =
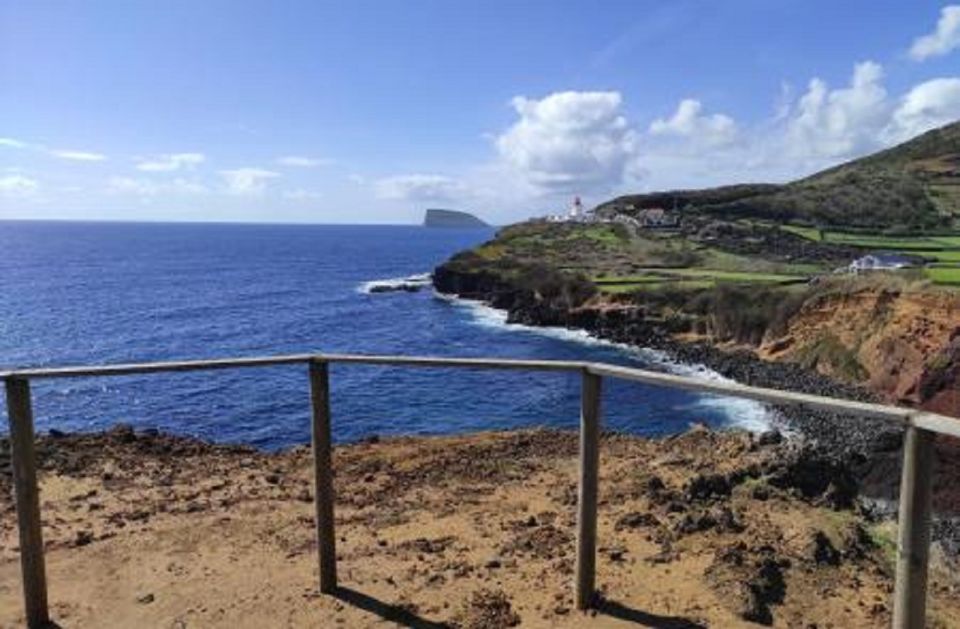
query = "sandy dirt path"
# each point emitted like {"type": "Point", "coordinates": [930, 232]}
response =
{"type": "Point", "coordinates": [704, 529]}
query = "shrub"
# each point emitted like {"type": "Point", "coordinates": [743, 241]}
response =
{"type": "Point", "coordinates": [568, 289]}
{"type": "Point", "coordinates": [732, 312]}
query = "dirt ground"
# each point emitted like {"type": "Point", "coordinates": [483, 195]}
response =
{"type": "Point", "coordinates": [703, 529]}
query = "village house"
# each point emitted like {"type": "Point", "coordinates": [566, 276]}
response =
{"type": "Point", "coordinates": [881, 262]}
{"type": "Point", "coordinates": [657, 217]}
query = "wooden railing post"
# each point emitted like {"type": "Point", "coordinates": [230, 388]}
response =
{"type": "Point", "coordinates": [28, 502]}
{"type": "Point", "coordinates": [323, 475]}
{"type": "Point", "coordinates": [587, 501]}
{"type": "Point", "coordinates": [913, 543]}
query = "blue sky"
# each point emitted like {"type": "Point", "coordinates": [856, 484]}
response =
{"type": "Point", "coordinates": [367, 111]}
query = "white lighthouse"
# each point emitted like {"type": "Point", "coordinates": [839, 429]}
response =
{"type": "Point", "coordinates": [576, 211]}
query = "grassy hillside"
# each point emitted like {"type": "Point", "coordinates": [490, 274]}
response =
{"type": "Point", "coordinates": [912, 187]}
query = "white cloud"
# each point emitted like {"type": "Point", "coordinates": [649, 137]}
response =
{"type": "Point", "coordinates": [945, 38]}
{"type": "Point", "coordinates": [79, 156]}
{"type": "Point", "coordinates": [816, 129]}
{"type": "Point", "coordinates": [784, 101]}
{"type": "Point", "coordinates": [569, 141]}
{"type": "Point", "coordinates": [419, 187]}
{"type": "Point", "coordinates": [129, 185]}
{"type": "Point", "coordinates": [687, 121]}
{"type": "Point", "coordinates": [18, 186]}
{"type": "Point", "coordinates": [186, 186]}
{"type": "Point", "coordinates": [171, 162]}
{"type": "Point", "coordinates": [928, 105]}
{"type": "Point", "coordinates": [301, 161]}
{"type": "Point", "coordinates": [12, 143]}
{"type": "Point", "coordinates": [840, 122]}
{"type": "Point", "coordinates": [247, 181]}
{"type": "Point", "coordinates": [299, 194]}
{"type": "Point", "coordinates": [146, 187]}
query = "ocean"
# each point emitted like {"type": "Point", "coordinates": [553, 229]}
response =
{"type": "Point", "coordinates": [92, 293]}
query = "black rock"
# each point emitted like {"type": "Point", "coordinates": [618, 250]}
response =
{"type": "Point", "coordinates": [769, 438]}
{"type": "Point", "coordinates": [822, 550]}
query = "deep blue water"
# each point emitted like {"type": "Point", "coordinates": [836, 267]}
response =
{"type": "Point", "coordinates": [81, 293]}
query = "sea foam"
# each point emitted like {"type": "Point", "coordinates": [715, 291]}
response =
{"type": "Point", "coordinates": [742, 413]}
{"type": "Point", "coordinates": [395, 283]}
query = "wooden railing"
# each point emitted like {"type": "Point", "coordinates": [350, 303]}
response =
{"type": "Point", "coordinates": [915, 489]}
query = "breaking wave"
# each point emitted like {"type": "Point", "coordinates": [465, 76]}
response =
{"type": "Point", "coordinates": [742, 413]}
{"type": "Point", "coordinates": [410, 282]}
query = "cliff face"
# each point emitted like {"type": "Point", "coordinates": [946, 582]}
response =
{"type": "Point", "coordinates": [901, 345]}
{"type": "Point", "coordinates": [904, 345]}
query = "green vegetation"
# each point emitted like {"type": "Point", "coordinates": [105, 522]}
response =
{"type": "Point", "coordinates": [883, 537]}
{"type": "Point", "coordinates": [940, 256]}
{"type": "Point", "coordinates": [810, 233]}
{"type": "Point", "coordinates": [711, 258]}
{"type": "Point", "coordinates": [613, 235]}
{"type": "Point", "coordinates": [733, 267]}
{"type": "Point", "coordinates": [909, 188]}
{"type": "Point", "coordinates": [945, 250]}
{"type": "Point", "coordinates": [687, 278]}
{"type": "Point", "coordinates": [943, 275]}
{"type": "Point", "coordinates": [735, 276]}
{"type": "Point", "coordinates": [622, 260]}
{"type": "Point", "coordinates": [655, 283]}
{"type": "Point", "coordinates": [739, 263]}
{"type": "Point", "coordinates": [490, 251]}
{"type": "Point", "coordinates": [921, 245]}
{"type": "Point", "coordinates": [869, 241]}
{"type": "Point", "coordinates": [743, 313]}
{"type": "Point", "coordinates": [828, 350]}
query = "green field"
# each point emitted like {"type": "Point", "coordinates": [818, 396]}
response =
{"type": "Point", "coordinates": [616, 288]}
{"type": "Point", "coordinates": [940, 256]}
{"type": "Point", "coordinates": [944, 275]}
{"type": "Point", "coordinates": [810, 233]}
{"type": "Point", "coordinates": [687, 278]}
{"type": "Point", "coordinates": [881, 242]}
{"type": "Point", "coordinates": [944, 249]}
{"type": "Point", "coordinates": [628, 279]}
{"type": "Point", "coordinates": [910, 244]}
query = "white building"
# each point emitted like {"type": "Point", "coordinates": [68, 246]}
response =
{"type": "Point", "coordinates": [575, 214]}
{"type": "Point", "coordinates": [880, 262]}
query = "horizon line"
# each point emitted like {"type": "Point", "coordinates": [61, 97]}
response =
{"type": "Point", "coordinates": [214, 222]}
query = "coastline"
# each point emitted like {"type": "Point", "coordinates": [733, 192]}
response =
{"type": "Point", "coordinates": [841, 436]}
{"type": "Point", "coordinates": [868, 449]}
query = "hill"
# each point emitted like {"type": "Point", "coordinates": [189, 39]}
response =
{"type": "Point", "coordinates": [911, 187]}
{"type": "Point", "coordinates": [756, 266]}
{"type": "Point", "coordinates": [451, 218]}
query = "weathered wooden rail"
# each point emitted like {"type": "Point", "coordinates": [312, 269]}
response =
{"type": "Point", "coordinates": [915, 489]}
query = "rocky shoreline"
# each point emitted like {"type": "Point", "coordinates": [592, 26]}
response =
{"type": "Point", "coordinates": [869, 449]}
{"type": "Point", "coordinates": [842, 436]}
